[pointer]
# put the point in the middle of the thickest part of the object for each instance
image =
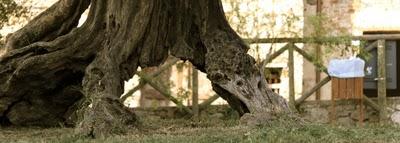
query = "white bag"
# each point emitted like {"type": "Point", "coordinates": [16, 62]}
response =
{"type": "Point", "coordinates": [346, 68]}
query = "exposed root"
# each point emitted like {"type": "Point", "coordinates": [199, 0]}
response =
{"type": "Point", "coordinates": [105, 117]}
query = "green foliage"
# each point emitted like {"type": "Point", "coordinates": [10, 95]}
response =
{"type": "Point", "coordinates": [363, 54]}
{"type": "Point", "coordinates": [180, 65]}
{"type": "Point", "coordinates": [183, 94]}
{"type": "Point", "coordinates": [319, 26]}
{"type": "Point", "coordinates": [8, 9]}
{"type": "Point", "coordinates": [340, 45]}
{"type": "Point", "coordinates": [257, 23]}
{"type": "Point", "coordinates": [290, 20]}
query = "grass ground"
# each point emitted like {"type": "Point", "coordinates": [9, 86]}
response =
{"type": "Point", "coordinates": [157, 130]}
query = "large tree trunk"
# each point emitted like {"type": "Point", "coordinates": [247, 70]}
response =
{"type": "Point", "coordinates": [55, 72]}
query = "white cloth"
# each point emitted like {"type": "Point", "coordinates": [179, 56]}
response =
{"type": "Point", "coordinates": [346, 68]}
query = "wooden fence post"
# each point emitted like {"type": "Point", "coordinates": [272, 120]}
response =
{"type": "Point", "coordinates": [291, 78]}
{"type": "Point", "coordinates": [195, 93]}
{"type": "Point", "coordinates": [382, 80]}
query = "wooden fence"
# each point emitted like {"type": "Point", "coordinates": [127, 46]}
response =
{"type": "Point", "coordinates": [379, 43]}
{"type": "Point", "coordinates": [291, 48]}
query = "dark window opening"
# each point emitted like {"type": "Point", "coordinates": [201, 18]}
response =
{"type": "Point", "coordinates": [273, 77]}
{"type": "Point", "coordinates": [392, 67]}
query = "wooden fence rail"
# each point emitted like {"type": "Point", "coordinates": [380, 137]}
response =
{"type": "Point", "coordinates": [165, 93]}
{"type": "Point", "coordinates": [321, 40]}
{"type": "Point", "coordinates": [143, 83]}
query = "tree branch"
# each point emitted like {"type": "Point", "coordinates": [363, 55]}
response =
{"type": "Point", "coordinates": [58, 20]}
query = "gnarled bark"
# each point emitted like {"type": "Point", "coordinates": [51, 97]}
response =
{"type": "Point", "coordinates": [80, 71]}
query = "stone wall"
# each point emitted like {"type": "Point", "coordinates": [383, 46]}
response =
{"type": "Point", "coordinates": [347, 112]}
